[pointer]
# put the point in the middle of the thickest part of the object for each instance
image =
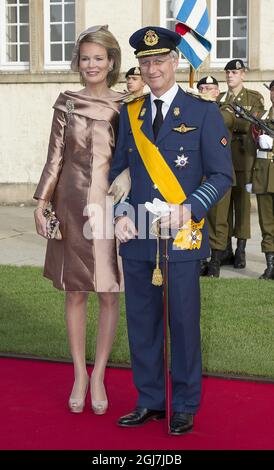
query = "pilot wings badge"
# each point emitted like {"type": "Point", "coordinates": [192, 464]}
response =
{"type": "Point", "coordinates": [183, 129]}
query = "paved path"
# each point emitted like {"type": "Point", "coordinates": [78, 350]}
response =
{"type": "Point", "coordinates": [19, 244]}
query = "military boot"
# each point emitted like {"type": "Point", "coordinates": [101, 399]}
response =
{"type": "Point", "coordinates": [240, 260]}
{"type": "Point", "coordinates": [269, 272]}
{"type": "Point", "coordinates": [203, 267]}
{"type": "Point", "coordinates": [227, 255]}
{"type": "Point", "coordinates": [213, 269]}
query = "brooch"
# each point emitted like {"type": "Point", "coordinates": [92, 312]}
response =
{"type": "Point", "coordinates": [143, 112]}
{"type": "Point", "coordinates": [183, 129]}
{"type": "Point", "coordinates": [70, 108]}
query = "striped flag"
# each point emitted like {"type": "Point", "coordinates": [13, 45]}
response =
{"type": "Point", "coordinates": [194, 28]}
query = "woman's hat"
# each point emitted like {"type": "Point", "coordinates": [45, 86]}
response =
{"type": "Point", "coordinates": [76, 51]}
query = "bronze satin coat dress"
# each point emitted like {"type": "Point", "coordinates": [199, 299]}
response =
{"type": "Point", "coordinates": [75, 180]}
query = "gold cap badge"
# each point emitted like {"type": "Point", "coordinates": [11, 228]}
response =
{"type": "Point", "coordinates": [151, 38]}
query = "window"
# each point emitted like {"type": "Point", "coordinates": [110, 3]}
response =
{"type": "Point", "coordinates": [230, 31]}
{"type": "Point", "coordinates": [59, 21]}
{"type": "Point", "coordinates": [14, 34]}
{"type": "Point", "coordinates": [167, 20]}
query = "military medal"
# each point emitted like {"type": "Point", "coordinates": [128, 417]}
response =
{"type": "Point", "coordinates": [184, 129]}
{"type": "Point", "coordinates": [181, 161]}
{"type": "Point", "coordinates": [195, 238]}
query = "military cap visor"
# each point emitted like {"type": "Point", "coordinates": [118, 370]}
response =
{"type": "Point", "coordinates": [133, 71]}
{"type": "Point", "coordinates": [235, 64]}
{"type": "Point", "coordinates": [209, 80]}
{"type": "Point", "coordinates": [154, 40]}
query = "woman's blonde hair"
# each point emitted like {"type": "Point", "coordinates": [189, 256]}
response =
{"type": "Point", "coordinates": [104, 38]}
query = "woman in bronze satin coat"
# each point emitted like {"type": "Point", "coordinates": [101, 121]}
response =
{"type": "Point", "coordinates": [75, 181]}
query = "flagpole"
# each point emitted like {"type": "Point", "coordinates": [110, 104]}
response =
{"type": "Point", "coordinates": [191, 76]}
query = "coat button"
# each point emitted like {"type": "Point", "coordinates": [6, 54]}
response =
{"type": "Point", "coordinates": [130, 150]}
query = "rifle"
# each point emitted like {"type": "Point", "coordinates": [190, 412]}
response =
{"type": "Point", "coordinates": [241, 112]}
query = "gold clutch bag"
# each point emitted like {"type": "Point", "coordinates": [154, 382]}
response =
{"type": "Point", "coordinates": [53, 230]}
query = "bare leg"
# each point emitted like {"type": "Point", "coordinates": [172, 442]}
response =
{"type": "Point", "coordinates": [107, 324]}
{"type": "Point", "coordinates": [76, 314]}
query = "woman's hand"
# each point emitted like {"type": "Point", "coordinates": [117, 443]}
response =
{"type": "Point", "coordinates": [125, 229]}
{"type": "Point", "coordinates": [40, 221]}
{"type": "Point", "coordinates": [120, 187]}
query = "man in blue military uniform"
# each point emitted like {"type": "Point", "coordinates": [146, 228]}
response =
{"type": "Point", "coordinates": [169, 140]}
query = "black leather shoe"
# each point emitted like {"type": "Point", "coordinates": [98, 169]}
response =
{"type": "Point", "coordinates": [181, 423]}
{"type": "Point", "coordinates": [140, 416]}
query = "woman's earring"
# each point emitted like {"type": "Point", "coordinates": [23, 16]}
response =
{"type": "Point", "coordinates": [110, 68]}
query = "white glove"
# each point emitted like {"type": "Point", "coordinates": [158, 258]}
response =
{"type": "Point", "coordinates": [158, 208]}
{"type": "Point", "coordinates": [265, 142]}
{"type": "Point", "coordinates": [120, 187]}
{"type": "Point", "coordinates": [248, 187]}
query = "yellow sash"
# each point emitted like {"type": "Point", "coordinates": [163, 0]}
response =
{"type": "Point", "coordinates": [190, 237]}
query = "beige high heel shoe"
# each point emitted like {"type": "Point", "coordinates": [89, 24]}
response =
{"type": "Point", "coordinates": [99, 407]}
{"type": "Point", "coordinates": [76, 405]}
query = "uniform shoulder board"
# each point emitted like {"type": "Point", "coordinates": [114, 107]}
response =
{"type": "Point", "coordinates": [258, 95]}
{"type": "Point", "coordinates": [200, 96]}
{"type": "Point", "coordinates": [255, 93]}
{"type": "Point", "coordinates": [132, 99]}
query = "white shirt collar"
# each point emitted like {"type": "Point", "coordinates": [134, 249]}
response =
{"type": "Point", "coordinates": [167, 99]}
{"type": "Point", "coordinates": [168, 96]}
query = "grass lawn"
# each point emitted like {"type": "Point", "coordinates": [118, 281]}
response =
{"type": "Point", "coordinates": [237, 322]}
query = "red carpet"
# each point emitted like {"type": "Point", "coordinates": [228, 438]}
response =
{"type": "Point", "coordinates": [233, 415]}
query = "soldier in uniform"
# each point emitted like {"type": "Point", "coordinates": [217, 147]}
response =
{"type": "Point", "coordinates": [239, 214]}
{"type": "Point", "coordinates": [262, 184]}
{"type": "Point", "coordinates": [217, 216]}
{"type": "Point", "coordinates": [169, 140]}
{"type": "Point", "coordinates": [135, 83]}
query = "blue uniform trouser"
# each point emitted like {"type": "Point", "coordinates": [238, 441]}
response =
{"type": "Point", "coordinates": [144, 306]}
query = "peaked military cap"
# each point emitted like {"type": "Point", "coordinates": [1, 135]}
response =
{"type": "Point", "coordinates": [133, 71]}
{"type": "Point", "coordinates": [208, 80]}
{"type": "Point", "coordinates": [235, 64]}
{"type": "Point", "coordinates": [153, 40]}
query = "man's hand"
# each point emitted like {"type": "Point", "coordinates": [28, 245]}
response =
{"type": "Point", "coordinates": [178, 217]}
{"type": "Point", "coordinates": [120, 187]}
{"type": "Point", "coordinates": [248, 187]}
{"type": "Point", "coordinates": [125, 229]}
